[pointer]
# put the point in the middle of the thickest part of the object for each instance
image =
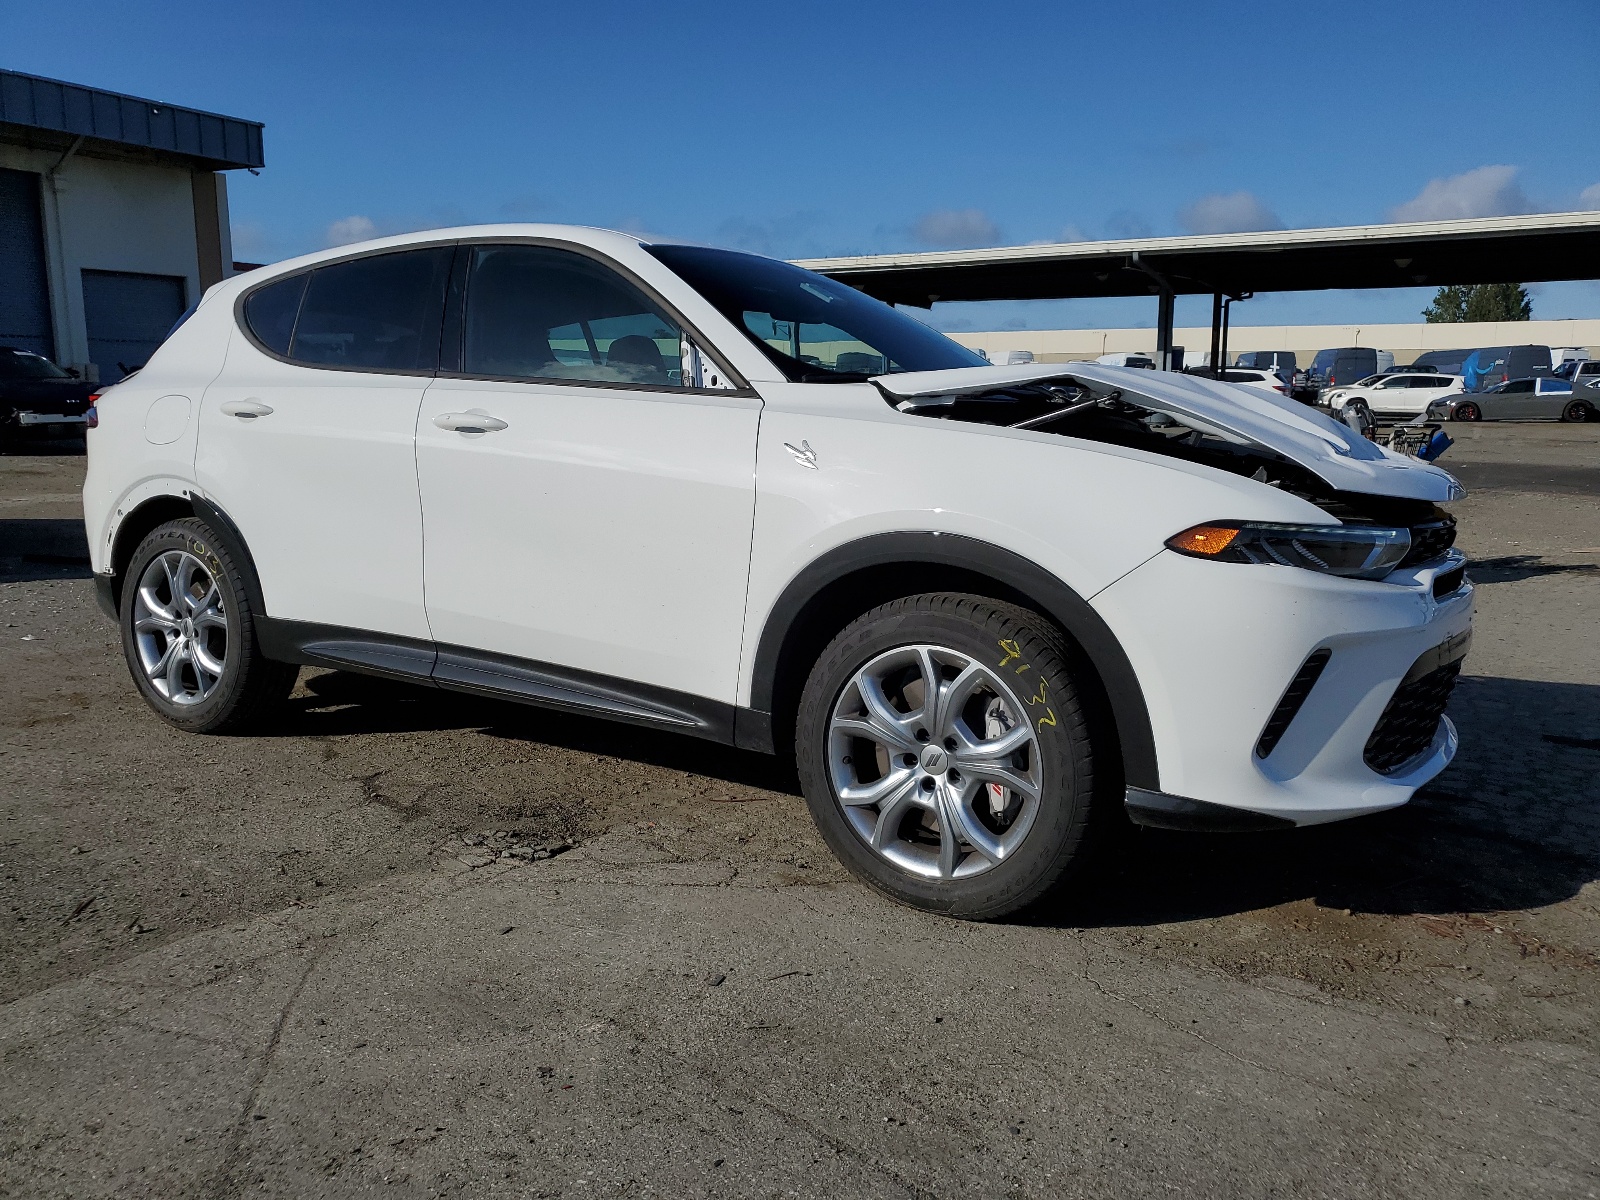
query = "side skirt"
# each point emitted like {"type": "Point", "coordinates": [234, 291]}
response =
{"type": "Point", "coordinates": [479, 673]}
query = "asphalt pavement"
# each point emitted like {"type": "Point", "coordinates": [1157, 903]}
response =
{"type": "Point", "coordinates": [410, 944]}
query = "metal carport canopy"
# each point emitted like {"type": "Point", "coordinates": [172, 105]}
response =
{"type": "Point", "coordinates": [1524, 249]}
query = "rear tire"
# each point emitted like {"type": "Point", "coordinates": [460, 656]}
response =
{"type": "Point", "coordinates": [189, 633]}
{"type": "Point", "coordinates": [1467, 412]}
{"type": "Point", "coordinates": [1002, 754]}
{"type": "Point", "coordinates": [1578, 410]}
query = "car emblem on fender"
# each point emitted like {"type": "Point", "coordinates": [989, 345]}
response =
{"type": "Point", "coordinates": [803, 454]}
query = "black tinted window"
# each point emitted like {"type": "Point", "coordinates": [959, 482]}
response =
{"type": "Point", "coordinates": [537, 313]}
{"type": "Point", "coordinates": [378, 313]}
{"type": "Point", "coordinates": [270, 312]}
{"type": "Point", "coordinates": [814, 328]}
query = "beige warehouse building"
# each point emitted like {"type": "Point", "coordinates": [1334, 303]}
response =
{"type": "Point", "coordinates": [1405, 341]}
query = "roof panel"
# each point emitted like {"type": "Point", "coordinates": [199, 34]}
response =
{"type": "Point", "coordinates": [219, 142]}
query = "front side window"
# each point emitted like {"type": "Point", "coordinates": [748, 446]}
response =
{"type": "Point", "coordinates": [379, 313]}
{"type": "Point", "coordinates": [815, 329]}
{"type": "Point", "coordinates": [537, 313]}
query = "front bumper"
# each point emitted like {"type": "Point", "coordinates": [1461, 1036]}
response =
{"type": "Point", "coordinates": [1217, 645]}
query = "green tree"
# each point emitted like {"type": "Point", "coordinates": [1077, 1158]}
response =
{"type": "Point", "coordinates": [1480, 302]}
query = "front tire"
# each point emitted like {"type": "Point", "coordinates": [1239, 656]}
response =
{"type": "Point", "coordinates": [945, 752]}
{"type": "Point", "coordinates": [1467, 412]}
{"type": "Point", "coordinates": [189, 635]}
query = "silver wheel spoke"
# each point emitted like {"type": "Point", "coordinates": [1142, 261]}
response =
{"type": "Point", "coordinates": [893, 813]}
{"type": "Point", "coordinates": [212, 618]}
{"type": "Point", "coordinates": [203, 661]}
{"type": "Point", "coordinates": [883, 717]}
{"type": "Point", "coordinates": [147, 597]}
{"type": "Point", "coordinates": [957, 813]}
{"type": "Point", "coordinates": [977, 750]}
{"type": "Point", "coordinates": [880, 790]}
{"type": "Point", "coordinates": [954, 695]}
{"type": "Point", "coordinates": [949, 843]}
{"type": "Point", "coordinates": [929, 716]}
{"type": "Point", "coordinates": [175, 661]}
{"type": "Point", "coordinates": [155, 623]}
{"type": "Point", "coordinates": [1006, 777]}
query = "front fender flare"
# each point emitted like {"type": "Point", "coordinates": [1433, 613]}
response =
{"type": "Point", "coordinates": [1019, 575]}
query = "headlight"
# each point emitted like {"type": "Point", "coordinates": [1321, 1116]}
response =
{"type": "Point", "coordinates": [1354, 551]}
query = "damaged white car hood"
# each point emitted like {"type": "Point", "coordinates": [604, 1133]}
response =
{"type": "Point", "coordinates": [1337, 454]}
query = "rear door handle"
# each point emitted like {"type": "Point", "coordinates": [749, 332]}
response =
{"type": "Point", "coordinates": [247, 410]}
{"type": "Point", "coordinates": [469, 422]}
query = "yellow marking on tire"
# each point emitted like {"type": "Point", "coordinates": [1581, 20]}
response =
{"type": "Point", "coordinates": [1012, 650]}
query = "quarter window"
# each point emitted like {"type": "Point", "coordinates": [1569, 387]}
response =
{"type": "Point", "coordinates": [377, 313]}
{"type": "Point", "coordinates": [537, 313]}
{"type": "Point", "coordinates": [271, 311]}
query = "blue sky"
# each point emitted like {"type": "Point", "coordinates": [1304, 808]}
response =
{"type": "Point", "coordinates": [836, 128]}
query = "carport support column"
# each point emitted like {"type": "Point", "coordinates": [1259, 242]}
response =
{"type": "Point", "coordinates": [1216, 335]}
{"type": "Point", "coordinates": [1164, 313]}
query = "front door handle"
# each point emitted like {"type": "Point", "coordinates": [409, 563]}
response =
{"type": "Point", "coordinates": [247, 410]}
{"type": "Point", "coordinates": [469, 422]}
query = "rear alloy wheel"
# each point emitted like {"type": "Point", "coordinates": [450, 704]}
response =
{"type": "Point", "coordinates": [1467, 412]}
{"type": "Point", "coordinates": [1578, 410]}
{"type": "Point", "coordinates": [945, 754]}
{"type": "Point", "coordinates": [189, 635]}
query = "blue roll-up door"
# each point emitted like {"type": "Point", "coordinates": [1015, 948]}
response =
{"type": "Point", "coordinates": [24, 285]}
{"type": "Point", "coordinates": [126, 316]}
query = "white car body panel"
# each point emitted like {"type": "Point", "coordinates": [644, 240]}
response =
{"type": "Point", "coordinates": [323, 489]}
{"type": "Point", "coordinates": [648, 535]}
{"type": "Point", "coordinates": [603, 529]}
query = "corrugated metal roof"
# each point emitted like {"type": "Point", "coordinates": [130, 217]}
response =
{"type": "Point", "coordinates": [1521, 249]}
{"type": "Point", "coordinates": [221, 143]}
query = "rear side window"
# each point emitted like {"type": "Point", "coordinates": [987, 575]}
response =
{"type": "Point", "coordinates": [270, 312]}
{"type": "Point", "coordinates": [380, 313]}
{"type": "Point", "coordinates": [537, 313]}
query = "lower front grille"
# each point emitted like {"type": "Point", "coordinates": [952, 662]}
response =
{"type": "Point", "coordinates": [1412, 716]}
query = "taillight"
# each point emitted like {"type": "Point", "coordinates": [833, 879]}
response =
{"type": "Point", "coordinates": [1278, 387]}
{"type": "Point", "coordinates": [91, 419]}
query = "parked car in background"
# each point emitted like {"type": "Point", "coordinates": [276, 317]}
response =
{"type": "Point", "coordinates": [1123, 358]}
{"type": "Point", "coordinates": [1544, 398]}
{"type": "Point", "coordinates": [720, 526]}
{"type": "Point", "coordinates": [1398, 395]}
{"type": "Point", "coordinates": [38, 397]}
{"type": "Point", "coordinates": [1269, 381]}
{"type": "Point", "coordinates": [1280, 361]}
{"type": "Point", "coordinates": [1486, 366]}
{"type": "Point", "coordinates": [1580, 371]}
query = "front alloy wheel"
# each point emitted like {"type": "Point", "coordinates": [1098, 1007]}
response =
{"type": "Point", "coordinates": [934, 762]}
{"type": "Point", "coordinates": [943, 744]}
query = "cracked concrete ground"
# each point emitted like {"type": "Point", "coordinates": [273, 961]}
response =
{"type": "Point", "coordinates": [267, 965]}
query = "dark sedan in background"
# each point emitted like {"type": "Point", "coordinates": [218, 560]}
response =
{"type": "Point", "coordinates": [38, 397]}
{"type": "Point", "coordinates": [1544, 398]}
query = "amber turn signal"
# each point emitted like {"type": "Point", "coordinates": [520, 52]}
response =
{"type": "Point", "coordinates": [1203, 539]}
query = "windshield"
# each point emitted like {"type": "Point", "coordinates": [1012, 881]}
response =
{"type": "Point", "coordinates": [815, 329]}
{"type": "Point", "coordinates": [19, 364]}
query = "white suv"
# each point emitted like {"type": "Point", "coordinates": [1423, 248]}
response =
{"type": "Point", "coordinates": [709, 492]}
{"type": "Point", "coordinates": [1395, 394]}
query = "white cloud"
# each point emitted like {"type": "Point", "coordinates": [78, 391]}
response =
{"type": "Point", "coordinates": [350, 229]}
{"type": "Point", "coordinates": [956, 229]}
{"type": "Point", "coordinates": [1589, 198]}
{"type": "Point", "coordinates": [1481, 192]}
{"type": "Point", "coordinates": [1232, 212]}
